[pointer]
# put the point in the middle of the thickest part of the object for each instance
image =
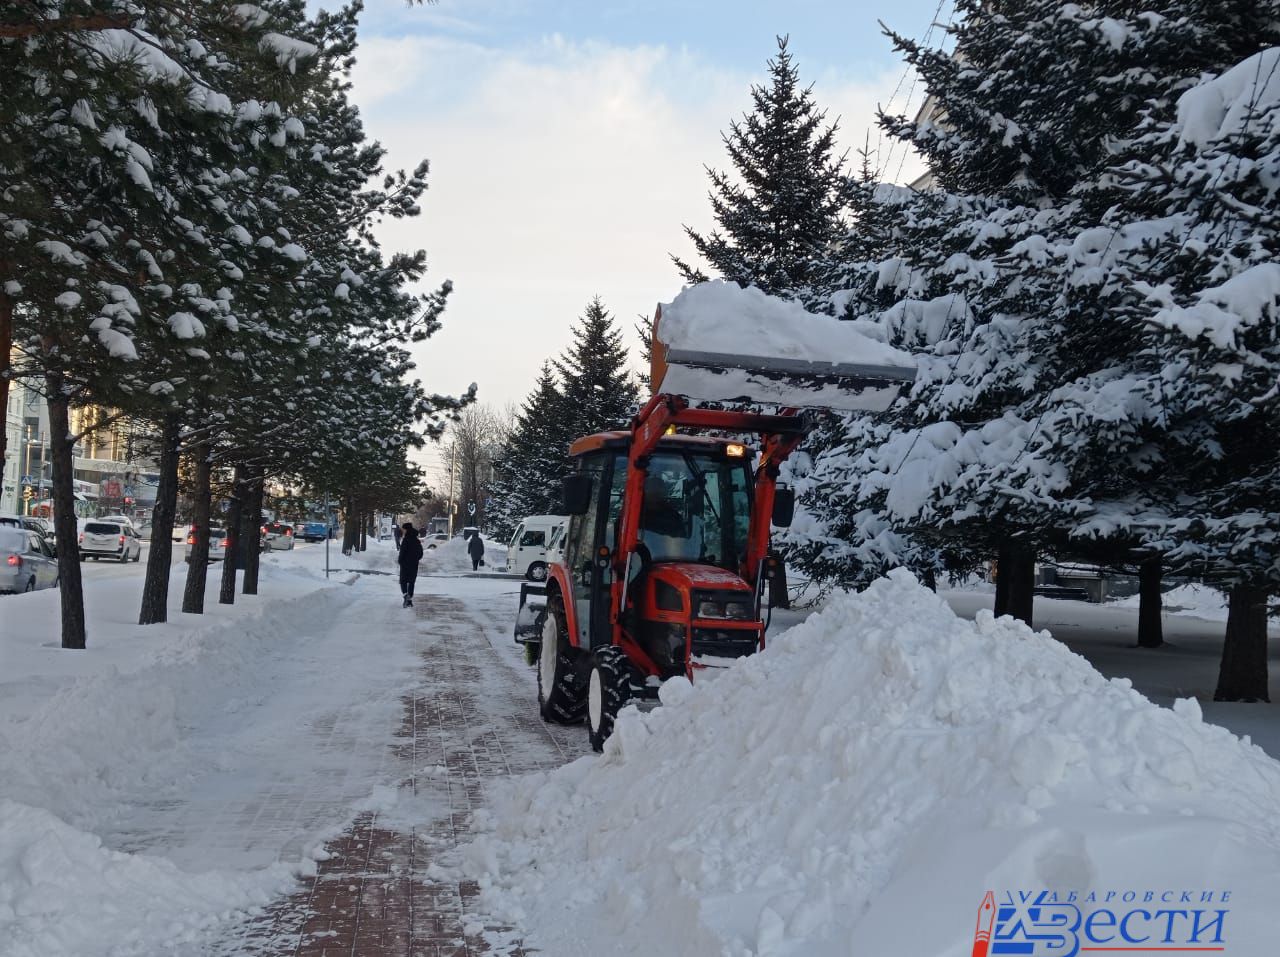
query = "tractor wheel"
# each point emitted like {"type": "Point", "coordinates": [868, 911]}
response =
{"type": "Point", "coordinates": [560, 693]}
{"type": "Point", "coordinates": [608, 691]}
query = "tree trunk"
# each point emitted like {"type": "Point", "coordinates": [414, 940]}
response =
{"type": "Point", "coordinates": [252, 536]}
{"type": "Point", "coordinates": [1002, 585]}
{"type": "Point", "coordinates": [364, 532]}
{"type": "Point", "coordinates": [1016, 581]}
{"type": "Point", "coordinates": [232, 556]}
{"type": "Point", "coordinates": [1150, 624]}
{"type": "Point", "coordinates": [350, 527]}
{"type": "Point", "coordinates": [65, 529]}
{"type": "Point", "coordinates": [6, 347]}
{"type": "Point", "coordinates": [1242, 675]}
{"type": "Point", "coordinates": [198, 572]}
{"type": "Point", "coordinates": [155, 590]}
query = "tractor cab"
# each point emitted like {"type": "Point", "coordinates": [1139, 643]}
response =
{"type": "Point", "coordinates": [685, 596]}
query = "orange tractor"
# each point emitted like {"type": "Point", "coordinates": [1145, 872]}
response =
{"type": "Point", "coordinates": [663, 569]}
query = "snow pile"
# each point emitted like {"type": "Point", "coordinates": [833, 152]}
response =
{"type": "Point", "coordinates": [51, 875]}
{"type": "Point", "coordinates": [857, 787]}
{"type": "Point", "coordinates": [723, 343]}
{"type": "Point", "coordinates": [722, 317]}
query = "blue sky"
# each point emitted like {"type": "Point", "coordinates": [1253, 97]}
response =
{"type": "Point", "coordinates": [567, 141]}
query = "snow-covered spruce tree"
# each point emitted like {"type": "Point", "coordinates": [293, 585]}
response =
{"type": "Point", "coordinates": [1191, 280]}
{"type": "Point", "coordinates": [1028, 107]}
{"type": "Point", "coordinates": [121, 148]}
{"type": "Point", "coordinates": [529, 466]}
{"type": "Point", "coordinates": [781, 205]}
{"type": "Point", "coordinates": [598, 390]}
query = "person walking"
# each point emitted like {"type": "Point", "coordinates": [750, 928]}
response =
{"type": "Point", "coordinates": [397, 534]}
{"type": "Point", "coordinates": [410, 555]}
{"type": "Point", "coordinates": [475, 548]}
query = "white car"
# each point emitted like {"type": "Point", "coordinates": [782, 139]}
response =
{"type": "Point", "coordinates": [26, 561]}
{"type": "Point", "coordinates": [110, 538]}
{"type": "Point", "coordinates": [527, 552]}
{"type": "Point", "coordinates": [217, 543]}
{"type": "Point", "coordinates": [277, 537]}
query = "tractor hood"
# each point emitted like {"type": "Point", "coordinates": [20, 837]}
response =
{"type": "Point", "coordinates": [691, 576]}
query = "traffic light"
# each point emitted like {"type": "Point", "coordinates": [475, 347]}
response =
{"type": "Point", "coordinates": [27, 494]}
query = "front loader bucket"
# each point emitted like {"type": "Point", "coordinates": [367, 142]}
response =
{"type": "Point", "coordinates": [533, 606]}
{"type": "Point", "coordinates": [719, 342]}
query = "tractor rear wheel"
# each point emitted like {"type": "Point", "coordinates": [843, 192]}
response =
{"type": "Point", "coordinates": [608, 691]}
{"type": "Point", "coordinates": [561, 696]}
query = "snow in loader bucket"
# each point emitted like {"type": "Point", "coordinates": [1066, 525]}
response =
{"type": "Point", "coordinates": [719, 342]}
{"type": "Point", "coordinates": [533, 602]}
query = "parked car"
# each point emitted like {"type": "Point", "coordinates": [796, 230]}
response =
{"type": "Point", "coordinates": [311, 531]}
{"type": "Point", "coordinates": [40, 526]}
{"type": "Point", "coordinates": [26, 561]}
{"type": "Point", "coordinates": [435, 540]}
{"type": "Point", "coordinates": [527, 553]}
{"type": "Point", "coordinates": [101, 538]}
{"type": "Point", "coordinates": [277, 537]}
{"type": "Point", "coordinates": [217, 543]}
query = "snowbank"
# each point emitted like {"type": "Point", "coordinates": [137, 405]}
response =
{"type": "Point", "coordinates": [62, 892]}
{"type": "Point", "coordinates": [707, 330]}
{"type": "Point", "coordinates": [857, 787]}
{"type": "Point", "coordinates": [113, 747]}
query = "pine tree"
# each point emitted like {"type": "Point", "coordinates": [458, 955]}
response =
{"type": "Point", "coordinates": [528, 469]}
{"type": "Point", "coordinates": [782, 205]}
{"type": "Point", "coordinates": [587, 389]}
{"type": "Point", "coordinates": [1031, 424]}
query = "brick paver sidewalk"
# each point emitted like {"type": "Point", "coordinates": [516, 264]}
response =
{"type": "Point", "coordinates": [373, 896]}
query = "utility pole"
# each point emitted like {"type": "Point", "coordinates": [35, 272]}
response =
{"type": "Point", "coordinates": [26, 502]}
{"type": "Point", "coordinates": [326, 533]}
{"type": "Point", "coordinates": [453, 451]}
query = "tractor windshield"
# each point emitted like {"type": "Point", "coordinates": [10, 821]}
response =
{"type": "Point", "coordinates": [696, 508]}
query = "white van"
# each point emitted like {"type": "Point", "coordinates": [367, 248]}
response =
{"type": "Point", "coordinates": [527, 553]}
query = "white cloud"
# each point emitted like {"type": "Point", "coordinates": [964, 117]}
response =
{"type": "Point", "coordinates": [558, 172]}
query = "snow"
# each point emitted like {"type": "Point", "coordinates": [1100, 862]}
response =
{"type": "Point", "coordinates": [722, 342]}
{"type": "Point", "coordinates": [721, 317]}
{"type": "Point", "coordinates": [1225, 310]}
{"type": "Point", "coordinates": [1194, 600]}
{"type": "Point", "coordinates": [287, 50]}
{"type": "Point", "coordinates": [1222, 107]}
{"type": "Point", "coordinates": [174, 777]}
{"type": "Point", "coordinates": [857, 786]}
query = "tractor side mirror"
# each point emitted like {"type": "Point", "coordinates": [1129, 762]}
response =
{"type": "Point", "coordinates": [577, 494]}
{"type": "Point", "coordinates": [784, 506]}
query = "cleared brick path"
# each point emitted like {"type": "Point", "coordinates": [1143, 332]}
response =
{"type": "Point", "coordinates": [472, 719]}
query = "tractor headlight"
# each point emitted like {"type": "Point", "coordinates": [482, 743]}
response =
{"type": "Point", "coordinates": [710, 609]}
{"type": "Point", "coordinates": [729, 606]}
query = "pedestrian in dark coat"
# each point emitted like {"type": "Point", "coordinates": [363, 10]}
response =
{"type": "Point", "coordinates": [397, 534]}
{"type": "Point", "coordinates": [410, 555]}
{"type": "Point", "coordinates": [475, 548]}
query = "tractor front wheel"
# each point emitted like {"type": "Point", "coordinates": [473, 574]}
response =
{"type": "Point", "coordinates": [560, 692]}
{"type": "Point", "coordinates": [608, 691]}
